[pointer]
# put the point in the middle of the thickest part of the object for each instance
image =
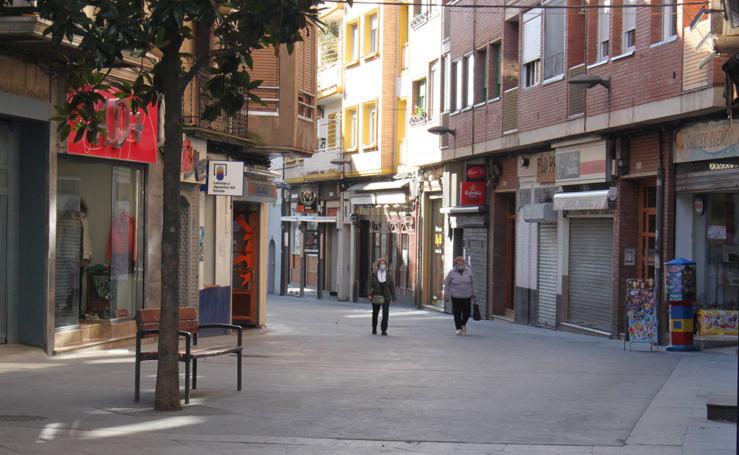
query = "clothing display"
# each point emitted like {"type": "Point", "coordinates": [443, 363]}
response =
{"type": "Point", "coordinates": [121, 252]}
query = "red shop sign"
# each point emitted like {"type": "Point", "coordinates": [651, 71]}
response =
{"type": "Point", "coordinates": [473, 193]}
{"type": "Point", "coordinates": [130, 136]}
{"type": "Point", "coordinates": [475, 172]}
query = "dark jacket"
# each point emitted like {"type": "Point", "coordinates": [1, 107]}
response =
{"type": "Point", "coordinates": [376, 288]}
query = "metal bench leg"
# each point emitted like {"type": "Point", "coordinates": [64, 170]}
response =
{"type": "Point", "coordinates": [194, 374]}
{"type": "Point", "coordinates": [137, 382]}
{"type": "Point", "coordinates": [187, 381]}
{"type": "Point", "coordinates": [238, 371]}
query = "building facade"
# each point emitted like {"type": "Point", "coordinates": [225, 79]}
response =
{"type": "Point", "coordinates": [576, 117]}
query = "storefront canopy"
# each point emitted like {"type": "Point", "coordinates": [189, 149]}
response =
{"type": "Point", "coordinates": [309, 219]}
{"type": "Point", "coordinates": [380, 186]}
{"type": "Point", "coordinates": [584, 200]}
{"type": "Point", "coordinates": [380, 198]}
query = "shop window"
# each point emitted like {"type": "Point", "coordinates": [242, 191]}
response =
{"type": "Point", "coordinates": [718, 263]}
{"type": "Point", "coordinates": [100, 231]}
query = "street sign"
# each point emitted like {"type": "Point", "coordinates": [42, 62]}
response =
{"type": "Point", "coordinates": [226, 178]}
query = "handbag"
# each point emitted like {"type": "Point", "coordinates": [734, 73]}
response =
{"type": "Point", "coordinates": [378, 299]}
{"type": "Point", "coordinates": [476, 312]}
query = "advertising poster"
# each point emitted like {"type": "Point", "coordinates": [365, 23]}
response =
{"type": "Point", "coordinates": [640, 311]}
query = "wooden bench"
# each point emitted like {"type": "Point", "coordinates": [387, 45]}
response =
{"type": "Point", "coordinates": [147, 324]}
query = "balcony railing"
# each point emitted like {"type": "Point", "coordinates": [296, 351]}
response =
{"type": "Point", "coordinates": [419, 19]}
{"type": "Point", "coordinates": [329, 77]}
{"type": "Point", "coordinates": [320, 161]}
{"type": "Point", "coordinates": [235, 124]}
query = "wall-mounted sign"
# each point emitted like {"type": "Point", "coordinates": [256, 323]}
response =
{"type": "Point", "coordinates": [193, 167]}
{"type": "Point", "coordinates": [226, 178]}
{"type": "Point", "coordinates": [707, 141]}
{"type": "Point", "coordinates": [307, 202]}
{"type": "Point", "coordinates": [475, 172]}
{"type": "Point", "coordinates": [472, 193]}
{"type": "Point", "coordinates": [129, 136]}
{"type": "Point", "coordinates": [546, 165]}
{"type": "Point", "coordinates": [581, 163]}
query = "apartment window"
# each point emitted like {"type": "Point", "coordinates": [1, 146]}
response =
{"type": "Point", "coordinates": [604, 31]}
{"type": "Point", "coordinates": [446, 83]}
{"type": "Point", "coordinates": [469, 67]}
{"type": "Point", "coordinates": [629, 39]}
{"type": "Point", "coordinates": [306, 105]}
{"type": "Point", "coordinates": [433, 88]}
{"type": "Point", "coordinates": [350, 129]}
{"type": "Point", "coordinates": [457, 84]}
{"type": "Point", "coordinates": [369, 122]}
{"type": "Point", "coordinates": [419, 7]}
{"type": "Point", "coordinates": [531, 47]}
{"type": "Point", "coordinates": [419, 97]}
{"type": "Point", "coordinates": [495, 65]}
{"type": "Point", "coordinates": [352, 42]}
{"type": "Point", "coordinates": [372, 34]}
{"type": "Point", "coordinates": [669, 19]}
{"type": "Point", "coordinates": [554, 39]}
{"type": "Point", "coordinates": [482, 75]}
{"type": "Point", "coordinates": [331, 130]}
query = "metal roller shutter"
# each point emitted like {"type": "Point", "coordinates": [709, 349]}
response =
{"type": "Point", "coordinates": [591, 273]}
{"type": "Point", "coordinates": [548, 275]}
{"type": "Point", "coordinates": [3, 267]}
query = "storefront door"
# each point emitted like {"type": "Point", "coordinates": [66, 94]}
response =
{"type": "Point", "coordinates": [591, 273]}
{"type": "Point", "coordinates": [7, 150]}
{"type": "Point", "coordinates": [245, 265]}
{"type": "Point", "coordinates": [435, 250]}
{"type": "Point", "coordinates": [548, 275]}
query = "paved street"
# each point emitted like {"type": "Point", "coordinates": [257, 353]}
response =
{"type": "Point", "coordinates": [317, 382]}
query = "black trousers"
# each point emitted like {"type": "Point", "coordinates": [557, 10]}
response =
{"type": "Point", "coordinates": [461, 310]}
{"type": "Point", "coordinates": [385, 315]}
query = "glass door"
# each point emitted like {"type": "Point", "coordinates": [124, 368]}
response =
{"type": "Point", "coordinates": [125, 242]}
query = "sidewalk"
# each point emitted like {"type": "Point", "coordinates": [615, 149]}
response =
{"type": "Point", "coordinates": [316, 382]}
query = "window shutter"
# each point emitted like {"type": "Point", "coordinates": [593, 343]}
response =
{"type": "Point", "coordinates": [629, 16]}
{"type": "Point", "coordinates": [604, 22]}
{"type": "Point", "coordinates": [531, 35]}
{"type": "Point", "coordinates": [331, 131]}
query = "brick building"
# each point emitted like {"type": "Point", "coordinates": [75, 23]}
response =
{"type": "Point", "coordinates": [573, 112]}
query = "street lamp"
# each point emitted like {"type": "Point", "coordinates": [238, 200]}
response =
{"type": "Point", "coordinates": [590, 81]}
{"type": "Point", "coordinates": [441, 130]}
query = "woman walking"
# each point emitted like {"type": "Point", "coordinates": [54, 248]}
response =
{"type": "Point", "coordinates": [459, 287]}
{"type": "Point", "coordinates": [381, 293]}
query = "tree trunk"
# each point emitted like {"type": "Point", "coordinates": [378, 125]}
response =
{"type": "Point", "coordinates": [167, 397]}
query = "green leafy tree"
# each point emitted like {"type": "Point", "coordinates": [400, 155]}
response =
{"type": "Point", "coordinates": [111, 32]}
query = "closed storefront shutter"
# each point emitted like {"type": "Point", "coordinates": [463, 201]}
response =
{"type": "Point", "coordinates": [548, 275]}
{"type": "Point", "coordinates": [591, 273]}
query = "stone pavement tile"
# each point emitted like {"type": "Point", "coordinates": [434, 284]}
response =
{"type": "Point", "coordinates": [661, 426]}
{"type": "Point", "coordinates": [637, 450]}
{"type": "Point", "coordinates": [525, 449]}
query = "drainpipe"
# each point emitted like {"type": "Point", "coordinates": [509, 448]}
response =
{"type": "Point", "coordinates": [658, 291]}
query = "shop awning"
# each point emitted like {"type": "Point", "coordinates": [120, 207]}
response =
{"type": "Point", "coordinates": [380, 186]}
{"type": "Point", "coordinates": [539, 213]}
{"type": "Point", "coordinates": [309, 219]}
{"type": "Point", "coordinates": [465, 210]}
{"type": "Point", "coordinates": [386, 198]}
{"type": "Point", "coordinates": [584, 200]}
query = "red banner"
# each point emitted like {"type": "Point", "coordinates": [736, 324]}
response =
{"type": "Point", "coordinates": [129, 137]}
{"type": "Point", "coordinates": [473, 193]}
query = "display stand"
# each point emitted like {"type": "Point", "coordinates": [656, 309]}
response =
{"type": "Point", "coordinates": [641, 315]}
